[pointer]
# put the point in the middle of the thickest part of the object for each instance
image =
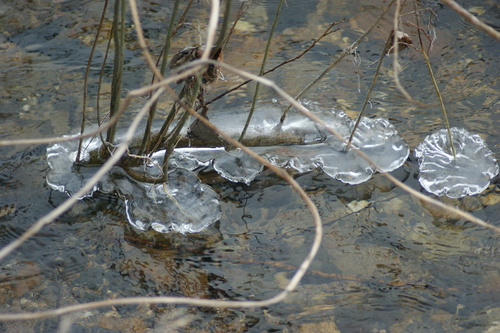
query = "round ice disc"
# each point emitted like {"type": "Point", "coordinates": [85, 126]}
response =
{"type": "Point", "coordinates": [467, 174]}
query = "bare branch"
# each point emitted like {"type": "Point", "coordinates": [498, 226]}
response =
{"type": "Point", "coordinates": [472, 19]}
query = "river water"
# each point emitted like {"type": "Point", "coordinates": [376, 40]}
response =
{"type": "Point", "coordinates": [388, 262]}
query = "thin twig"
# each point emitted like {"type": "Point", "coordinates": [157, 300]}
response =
{"type": "Point", "coordinates": [307, 49]}
{"type": "Point", "coordinates": [142, 41]}
{"type": "Point", "coordinates": [436, 87]}
{"type": "Point", "coordinates": [396, 66]}
{"type": "Point", "coordinates": [387, 45]}
{"type": "Point", "coordinates": [99, 88]}
{"type": "Point", "coordinates": [118, 61]}
{"type": "Point", "coordinates": [212, 30]}
{"type": "Point", "coordinates": [262, 66]}
{"type": "Point", "coordinates": [164, 59]}
{"type": "Point", "coordinates": [472, 19]}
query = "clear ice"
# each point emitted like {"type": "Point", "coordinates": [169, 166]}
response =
{"type": "Point", "coordinates": [441, 174]}
{"type": "Point", "coordinates": [63, 175]}
{"type": "Point", "coordinates": [238, 166]}
{"type": "Point", "coordinates": [376, 137]}
{"type": "Point", "coordinates": [184, 204]}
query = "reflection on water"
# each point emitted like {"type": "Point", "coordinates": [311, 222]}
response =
{"type": "Point", "coordinates": [387, 262]}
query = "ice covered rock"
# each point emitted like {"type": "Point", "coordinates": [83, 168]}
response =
{"type": "Point", "coordinates": [441, 174]}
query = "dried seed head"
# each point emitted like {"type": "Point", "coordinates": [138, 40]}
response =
{"type": "Point", "coordinates": [403, 41]}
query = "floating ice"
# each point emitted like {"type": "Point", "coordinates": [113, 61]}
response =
{"type": "Point", "coordinates": [380, 141]}
{"type": "Point", "coordinates": [376, 137]}
{"type": "Point", "coordinates": [183, 204]}
{"type": "Point", "coordinates": [468, 174]}
{"type": "Point", "coordinates": [63, 175]}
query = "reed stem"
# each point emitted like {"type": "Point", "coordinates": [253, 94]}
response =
{"type": "Point", "coordinates": [116, 84]}
{"type": "Point", "coordinates": [262, 66]}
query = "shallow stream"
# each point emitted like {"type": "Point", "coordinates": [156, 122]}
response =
{"type": "Point", "coordinates": [388, 262]}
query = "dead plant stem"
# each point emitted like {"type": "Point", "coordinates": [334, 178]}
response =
{"type": "Point", "coordinates": [164, 57]}
{"type": "Point", "coordinates": [86, 78]}
{"type": "Point", "coordinates": [262, 66]}
{"type": "Point", "coordinates": [436, 87]}
{"type": "Point", "coordinates": [116, 84]}
{"type": "Point", "coordinates": [387, 45]}
{"type": "Point", "coordinates": [99, 88]}
{"type": "Point", "coordinates": [396, 66]}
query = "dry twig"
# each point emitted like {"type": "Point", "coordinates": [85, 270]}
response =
{"type": "Point", "coordinates": [472, 19]}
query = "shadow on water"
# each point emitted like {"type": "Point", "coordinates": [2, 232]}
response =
{"type": "Point", "coordinates": [387, 263]}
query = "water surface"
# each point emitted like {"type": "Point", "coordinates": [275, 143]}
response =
{"type": "Point", "coordinates": [387, 263]}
